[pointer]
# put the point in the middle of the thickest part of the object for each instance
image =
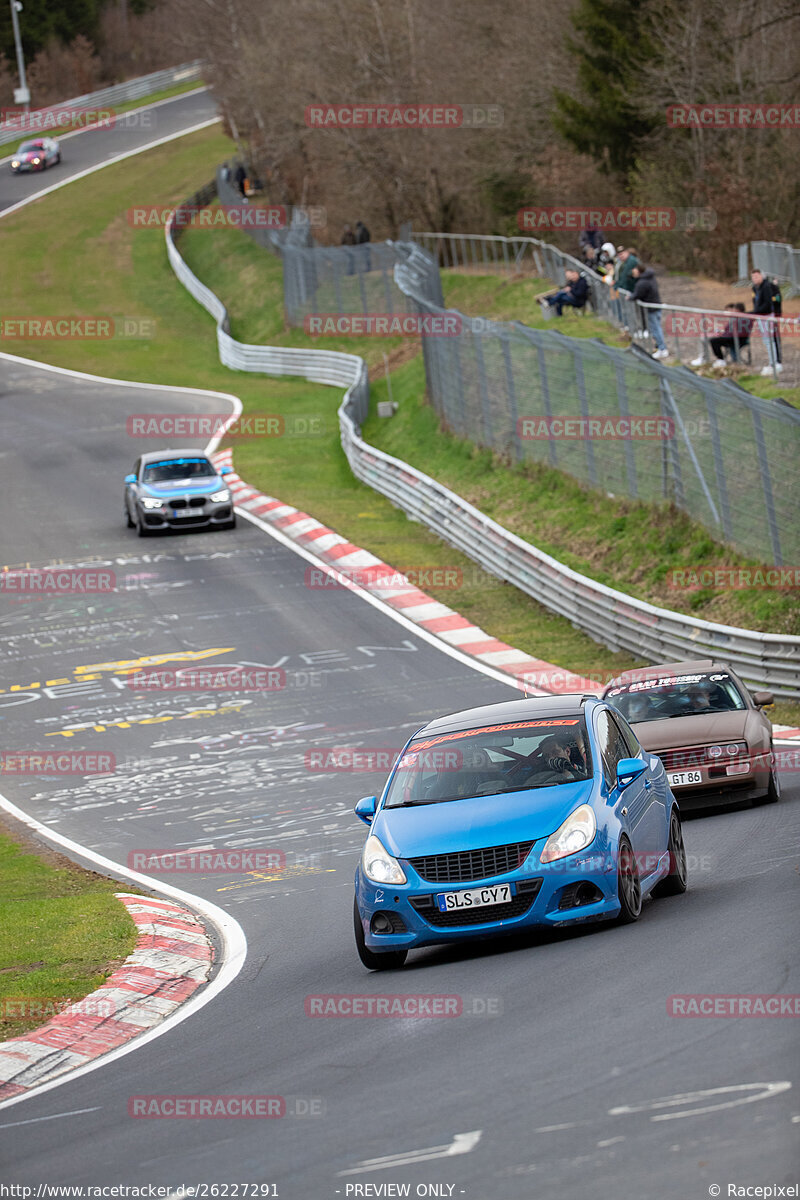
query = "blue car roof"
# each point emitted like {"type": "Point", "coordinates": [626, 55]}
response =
{"type": "Point", "coordinates": [510, 710]}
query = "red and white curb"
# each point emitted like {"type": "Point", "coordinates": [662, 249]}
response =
{"type": "Point", "coordinates": [532, 675]}
{"type": "Point", "coordinates": [172, 958]}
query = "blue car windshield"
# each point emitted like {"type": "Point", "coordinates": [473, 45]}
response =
{"type": "Point", "coordinates": [173, 469]}
{"type": "Point", "coordinates": [30, 147]}
{"type": "Point", "coordinates": [676, 696]}
{"type": "Point", "coordinates": [509, 757]}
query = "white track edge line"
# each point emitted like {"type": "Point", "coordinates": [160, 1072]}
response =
{"type": "Point", "coordinates": [131, 112]}
{"type": "Point", "coordinates": [171, 137]}
{"type": "Point", "coordinates": [232, 958]}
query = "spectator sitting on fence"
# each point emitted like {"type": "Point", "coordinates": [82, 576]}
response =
{"type": "Point", "coordinates": [733, 337]}
{"type": "Point", "coordinates": [574, 294]}
{"type": "Point", "coordinates": [764, 305]}
{"type": "Point", "coordinates": [646, 292]}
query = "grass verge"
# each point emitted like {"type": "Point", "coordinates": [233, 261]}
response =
{"type": "Point", "coordinates": [62, 932]}
{"type": "Point", "coordinates": [132, 278]}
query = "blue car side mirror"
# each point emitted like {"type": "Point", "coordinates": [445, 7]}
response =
{"type": "Point", "coordinates": [225, 470]}
{"type": "Point", "coordinates": [130, 479]}
{"type": "Point", "coordinates": [629, 769]}
{"type": "Point", "coordinates": [365, 809]}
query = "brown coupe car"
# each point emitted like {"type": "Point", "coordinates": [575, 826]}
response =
{"type": "Point", "coordinates": [706, 727]}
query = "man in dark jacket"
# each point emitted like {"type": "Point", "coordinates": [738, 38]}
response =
{"type": "Point", "coordinates": [574, 294]}
{"type": "Point", "coordinates": [646, 292]}
{"type": "Point", "coordinates": [765, 304]}
{"type": "Point", "coordinates": [362, 233]}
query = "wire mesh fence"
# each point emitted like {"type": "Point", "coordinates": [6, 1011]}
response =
{"type": "Point", "coordinates": [616, 420]}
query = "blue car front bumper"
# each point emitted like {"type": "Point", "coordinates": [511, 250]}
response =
{"type": "Point", "coordinates": [580, 888]}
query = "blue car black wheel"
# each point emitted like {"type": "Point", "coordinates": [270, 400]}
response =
{"type": "Point", "coordinates": [629, 887]}
{"type": "Point", "coordinates": [676, 882]}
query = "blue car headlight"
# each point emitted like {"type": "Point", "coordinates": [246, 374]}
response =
{"type": "Point", "coordinates": [575, 834]}
{"type": "Point", "coordinates": [220, 497]}
{"type": "Point", "coordinates": [378, 864]}
{"type": "Point", "coordinates": [152, 502]}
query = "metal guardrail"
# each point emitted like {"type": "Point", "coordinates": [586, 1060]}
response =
{"type": "Point", "coordinates": [609, 616]}
{"type": "Point", "coordinates": [119, 93]}
{"type": "Point", "coordinates": [778, 259]}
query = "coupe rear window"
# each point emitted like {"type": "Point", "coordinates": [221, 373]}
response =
{"type": "Point", "coordinates": [171, 470]}
{"type": "Point", "coordinates": [490, 761]}
{"type": "Point", "coordinates": [676, 696]}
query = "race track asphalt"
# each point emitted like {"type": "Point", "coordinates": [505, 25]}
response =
{"type": "Point", "coordinates": [560, 1079]}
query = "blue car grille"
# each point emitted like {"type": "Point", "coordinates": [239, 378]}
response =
{"type": "Point", "coordinates": [466, 865]}
{"type": "Point", "coordinates": [517, 907]}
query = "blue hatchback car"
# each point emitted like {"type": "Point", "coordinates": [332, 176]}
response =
{"type": "Point", "coordinates": [532, 812]}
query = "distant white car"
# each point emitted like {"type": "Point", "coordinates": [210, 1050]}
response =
{"type": "Point", "coordinates": [36, 155]}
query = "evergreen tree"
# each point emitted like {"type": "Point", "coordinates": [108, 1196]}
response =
{"type": "Point", "coordinates": [612, 48]}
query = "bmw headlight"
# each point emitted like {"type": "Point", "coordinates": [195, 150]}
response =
{"type": "Point", "coordinates": [575, 834]}
{"type": "Point", "coordinates": [378, 864]}
{"type": "Point", "coordinates": [152, 502]}
{"type": "Point", "coordinates": [221, 497]}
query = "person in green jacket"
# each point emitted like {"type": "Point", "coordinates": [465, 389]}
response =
{"type": "Point", "coordinates": [627, 260]}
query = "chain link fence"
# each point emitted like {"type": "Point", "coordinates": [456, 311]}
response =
{"type": "Point", "coordinates": [616, 420]}
{"type": "Point", "coordinates": [773, 258]}
{"type": "Point", "coordinates": [758, 345]}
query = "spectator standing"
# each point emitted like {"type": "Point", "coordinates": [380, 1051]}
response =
{"type": "Point", "coordinates": [362, 238]}
{"type": "Point", "coordinates": [240, 179]}
{"type": "Point", "coordinates": [623, 272]}
{"type": "Point", "coordinates": [646, 292]}
{"type": "Point", "coordinates": [348, 237]}
{"type": "Point", "coordinates": [589, 240]}
{"type": "Point", "coordinates": [763, 306]}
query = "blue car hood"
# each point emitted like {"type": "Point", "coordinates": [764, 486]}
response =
{"type": "Point", "coordinates": [481, 821]}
